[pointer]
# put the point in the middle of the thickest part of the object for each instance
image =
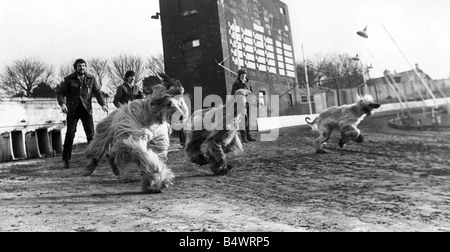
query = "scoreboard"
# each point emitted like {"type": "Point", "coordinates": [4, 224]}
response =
{"type": "Point", "coordinates": [253, 49]}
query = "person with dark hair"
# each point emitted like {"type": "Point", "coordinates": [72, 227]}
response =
{"type": "Point", "coordinates": [242, 83]}
{"type": "Point", "coordinates": [75, 99]}
{"type": "Point", "coordinates": [128, 91]}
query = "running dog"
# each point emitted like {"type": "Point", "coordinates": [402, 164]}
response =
{"type": "Point", "coordinates": [132, 134]}
{"type": "Point", "coordinates": [344, 118]}
{"type": "Point", "coordinates": [210, 145]}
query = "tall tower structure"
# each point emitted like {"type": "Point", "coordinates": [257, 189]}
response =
{"type": "Point", "coordinates": [198, 35]}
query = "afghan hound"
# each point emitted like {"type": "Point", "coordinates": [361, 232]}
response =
{"type": "Point", "coordinates": [209, 145]}
{"type": "Point", "coordinates": [344, 118]}
{"type": "Point", "coordinates": [125, 136]}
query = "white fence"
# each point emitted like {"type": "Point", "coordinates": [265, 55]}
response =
{"type": "Point", "coordinates": [265, 124]}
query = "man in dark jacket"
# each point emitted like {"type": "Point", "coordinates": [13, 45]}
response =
{"type": "Point", "coordinates": [128, 91]}
{"type": "Point", "coordinates": [242, 83]}
{"type": "Point", "coordinates": [75, 99]}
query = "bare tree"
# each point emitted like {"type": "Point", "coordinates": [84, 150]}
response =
{"type": "Point", "coordinates": [120, 65]}
{"type": "Point", "coordinates": [9, 85]}
{"type": "Point", "coordinates": [331, 70]}
{"type": "Point", "coordinates": [25, 74]}
{"type": "Point", "coordinates": [343, 70]}
{"type": "Point", "coordinates": [313, 74]}
{"type": "Point", "coordinates": [100, 69]}
{"type": "Point", "coordinates": [338, 66]}
{"type": "Point", "coordinates": [155, 64]}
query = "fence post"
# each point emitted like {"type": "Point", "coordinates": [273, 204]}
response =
{"type": "Point", "coordinates": [6, 151]}
{"type": "Point", "coordinates": [32, 146]}
{"type": "Point", "coordinates": [45, 144]}
{"type": "Point", "coordinates": [18, 144]}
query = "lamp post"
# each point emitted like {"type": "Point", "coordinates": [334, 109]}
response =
{"type": "Point", "coordinates": [156, 16]}
{"type": "Point", "coordinates": [364, 34]}
{"type": "Point", "coordinates": [336, 82]}
{"type": "Point", "coordinates": [307, 82]}
{"type": "Point", "coordinates": [364, 70]}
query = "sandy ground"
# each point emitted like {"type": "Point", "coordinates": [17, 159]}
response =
{"type": "Point", "coordinates": [395, 181]}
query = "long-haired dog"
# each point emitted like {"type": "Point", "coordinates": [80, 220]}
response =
{"type": "Point", "coordinates": [345, 119]}
{"type": "Point", "coordinates": [123, 137]}
{"type": "Point", "coordinates": [210, 145]}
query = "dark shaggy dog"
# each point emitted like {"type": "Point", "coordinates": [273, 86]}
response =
{"type": "Point", "coordinates": [344, 118]}
{"type": "Point", "coordinates": [123, 137]}
{"type": "Point", "coordinates": [210, 146]}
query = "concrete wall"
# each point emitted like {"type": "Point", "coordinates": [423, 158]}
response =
{"type": "Point", "coordinates": [320, 102]}
{"type": "Point", "coordinates": [31, 114]}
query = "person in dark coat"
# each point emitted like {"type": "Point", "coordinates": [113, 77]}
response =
{"type": "Point", "coordinates": [242, 83]}
{"type": "Point", "coordinates": [128, 91]}
{"type": "Point", "coordinates": [75, 99]}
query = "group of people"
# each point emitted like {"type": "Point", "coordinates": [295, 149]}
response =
{"type": "Point", "coordinates": [78, 89]}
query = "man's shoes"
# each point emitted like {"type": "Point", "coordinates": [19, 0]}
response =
{"type": "Point", "coordinates": [243, 135]}
{"type": "Point", "coordinates": [66, 164]}
{"type": "Point", "coordinates": [251, 139]}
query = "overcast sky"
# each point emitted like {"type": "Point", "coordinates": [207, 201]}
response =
{"type": "Point", "coordinates": [59, 31]}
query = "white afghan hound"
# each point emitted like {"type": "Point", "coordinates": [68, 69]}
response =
{"type": "Point", "coordinates": [344, 118]}
{"type": "Point", "coordinates": [211, 143]}
{"type": "Point", "coordinates": [123, 137]}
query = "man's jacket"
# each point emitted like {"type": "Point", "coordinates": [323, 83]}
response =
{"type": "Point", "coordinates": [125, 94]}
{"type": "Point", "coordinates": [73, 92]}
{"type": "Point", "coordinates": [240, 85]}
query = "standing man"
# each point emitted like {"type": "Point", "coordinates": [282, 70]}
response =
{"type": "Point", "coordinates": [128, 91]}
{"type": "Point", "coordinates": [75, 99]}
{"type": "Point", "coordinates": [242, 83]}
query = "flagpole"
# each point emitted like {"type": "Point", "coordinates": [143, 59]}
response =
{"type": "Point", "coordinates": [307, 82]}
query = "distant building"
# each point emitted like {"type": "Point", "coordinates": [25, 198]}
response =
{"type": "Point", "coordinates": [407, 85]}
{"type": "Point", "coordinates": [252, 34]}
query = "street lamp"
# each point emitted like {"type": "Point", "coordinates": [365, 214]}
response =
{"type": "Point", "coordinates": [156, 16]}
{"type": "Point", "coordinates": [364, 34]}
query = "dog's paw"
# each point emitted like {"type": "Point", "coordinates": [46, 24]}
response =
{"type": "Point", "coordinates": [221, 170]}
{"type": "Point", "coordinates": [87, 171]}
{"type": "Point", "coordinates": [200, 160]}
{"type": "Point", "coordinates": [225, 169]}
{"type": "Point", "coordinates": [114, 167]}
{"type": "Point", "coordinates": [115, 170]}
{"type": "Point", "coordinates": [359, 139]}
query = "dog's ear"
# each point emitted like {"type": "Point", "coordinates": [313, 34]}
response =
{"type": "Point", "coordinates": [375, 105]}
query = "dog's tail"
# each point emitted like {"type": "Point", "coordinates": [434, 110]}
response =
{"type": "Point", "coordinates": [312, 124]}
